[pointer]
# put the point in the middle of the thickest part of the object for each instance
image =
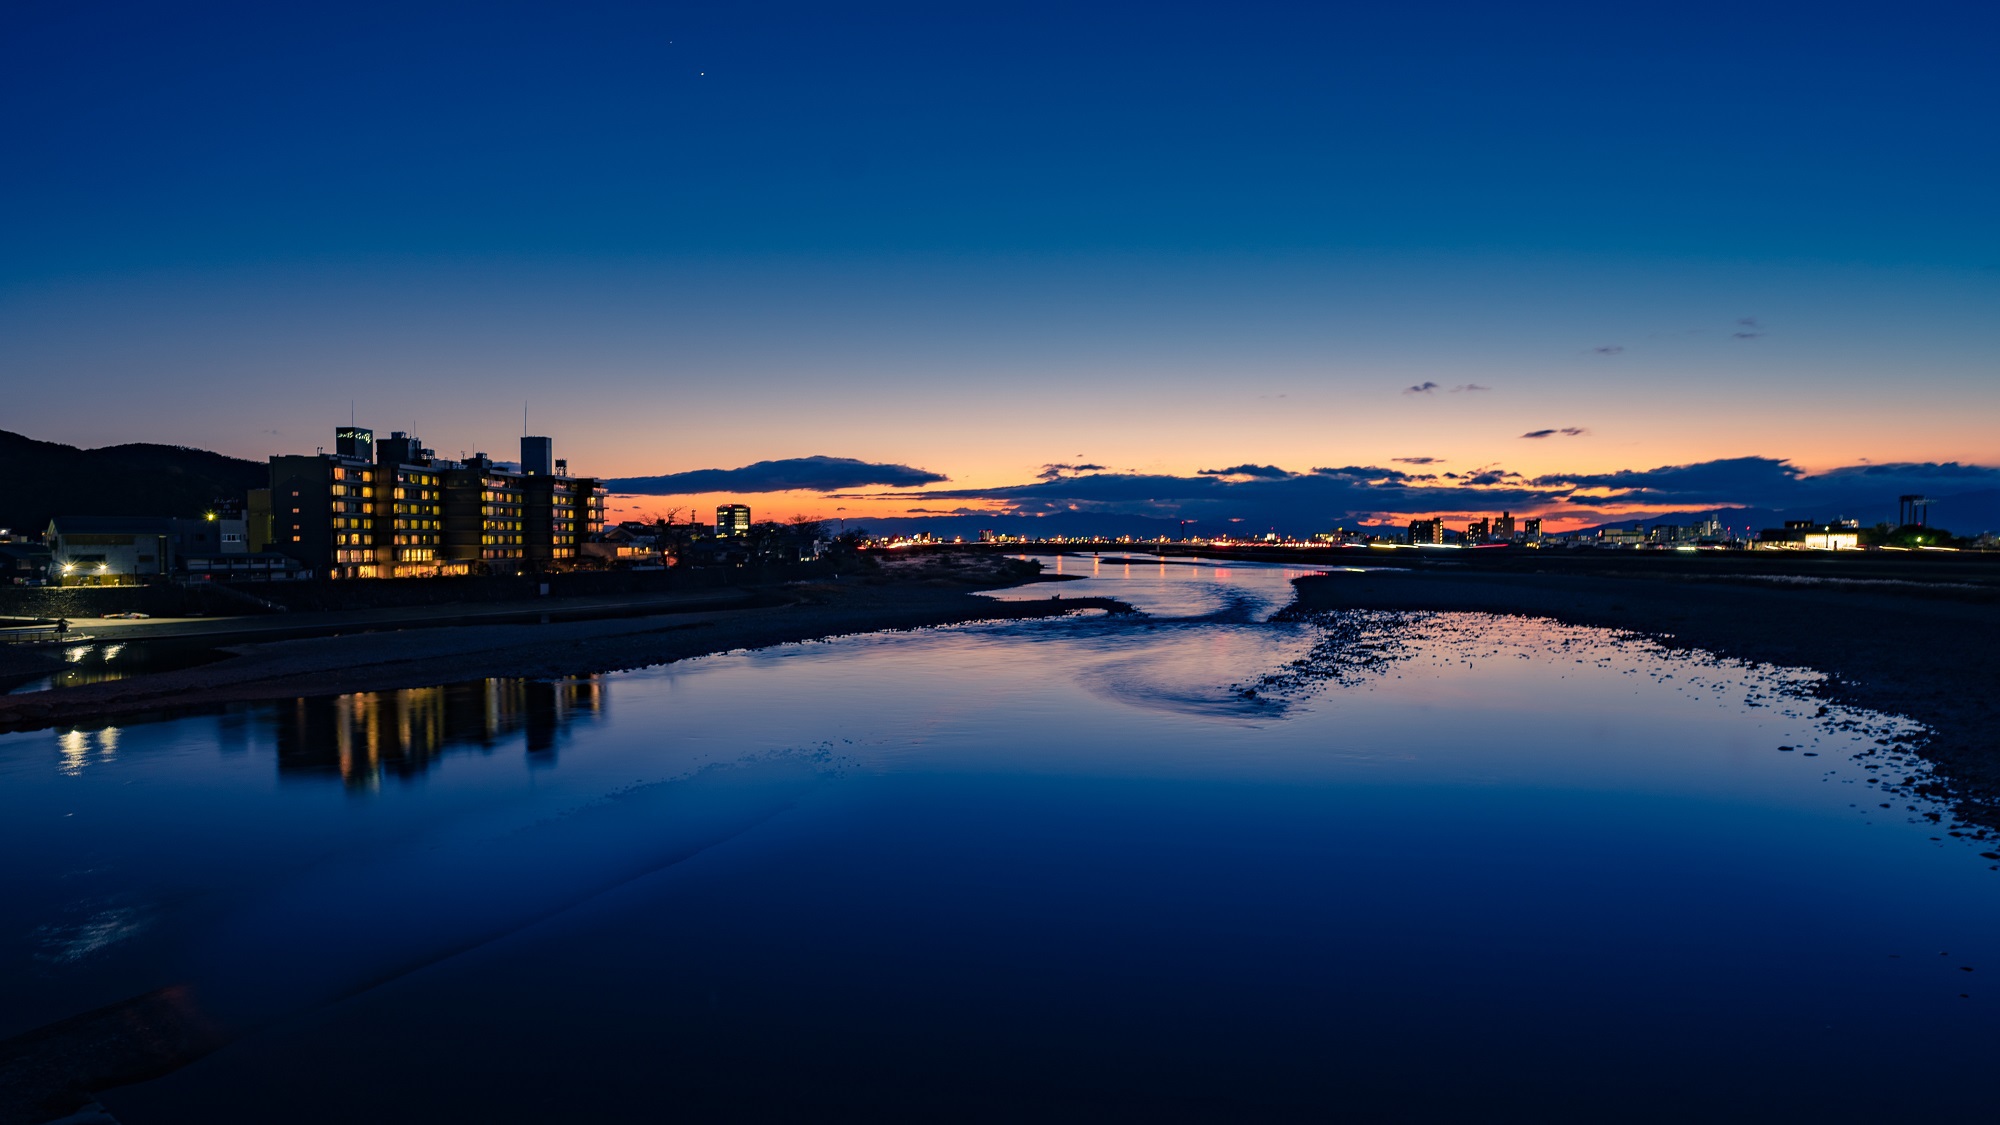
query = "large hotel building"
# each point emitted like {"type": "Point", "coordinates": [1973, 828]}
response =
{"type": "Point", "coordinates": [393, 509]}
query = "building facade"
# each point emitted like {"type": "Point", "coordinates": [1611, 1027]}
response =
{"type": "Point", "coordinates": [484, 512]}
{"type": "Point", "coordinates": [323, 507]}
{"type": "Point", "coordinates": [409, 511]}
{"type": "Point", "coordinates": [393, 509]}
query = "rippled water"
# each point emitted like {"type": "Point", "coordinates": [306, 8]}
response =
{"type": "Point", "coordinates": [1192, 864]}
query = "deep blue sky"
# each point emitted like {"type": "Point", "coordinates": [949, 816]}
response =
{"type": "Point", "coordinates": [167, 134]}
{"type": "Point", "coordinates": [234, 219]}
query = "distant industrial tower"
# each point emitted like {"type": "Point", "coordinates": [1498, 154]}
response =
{"type": "Point", "coordinates": [1913, 510]}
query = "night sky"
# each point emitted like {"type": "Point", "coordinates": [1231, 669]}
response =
{"type": "Point", "coordinates": [1583, 260]}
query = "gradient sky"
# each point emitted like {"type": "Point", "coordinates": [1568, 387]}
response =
{"type": "Point", "coordinates": [980, 240]}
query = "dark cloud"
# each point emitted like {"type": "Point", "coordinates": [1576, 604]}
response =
{"type": "Point", "coordinates": [1422, 388]}
{"type": "Point", "coordinates": [812, 474]}
{"type": "Point", "coordinates": [1329, 495]}
{"type": "Point", "coordinates": [1468, 388]}
{"type": "Point", "coordinates": [1057, 472]}
{"type": "Point", "coordinates": [1264, 472]}
{"type": "Point", "coordinates": [1566, 431]}
{"type": "Point", "coordinates": [1608, 349]}
{"type": "Point", "coordinates": [1362, 473]}
{"type": "Point", "coordinates": [1418, 460]}
{"type": "Point", "coordinates": [1929, 473]}
{"type": "Point", "coordinates": [1763, 482]}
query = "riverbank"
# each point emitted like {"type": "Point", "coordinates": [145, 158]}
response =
{"type": "Point", "coordinates": [359, 652]}
{"type": "Point", "coordinates": [1906, 645]}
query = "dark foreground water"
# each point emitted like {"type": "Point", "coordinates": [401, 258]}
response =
{"type": "Point", "coordinates": [1454, 867]}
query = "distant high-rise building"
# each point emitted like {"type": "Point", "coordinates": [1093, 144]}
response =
{"type": "Point", "coordinates": [1427, 531]}
{"type": "Point", "coordinates": [1531, 529]}
{"type": "Point", "coordinates": [732, 520]}
{"type": "Point", "coordinates": [1503, 528]}
{"type": "Point", "coordinates": [1478, 531]}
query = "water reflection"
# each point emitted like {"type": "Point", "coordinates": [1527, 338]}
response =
{"type": "Point", "coordinates": [369, 735]}
{"type": "Point", "coordinates": [100, 663]}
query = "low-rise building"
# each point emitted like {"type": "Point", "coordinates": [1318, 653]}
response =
{"type": "Point", "coordinates": [124, 550]}
{"type": "Point", "coordinates": [23, 563]}
{"type": "Point", "coordinates": [1806, 535]}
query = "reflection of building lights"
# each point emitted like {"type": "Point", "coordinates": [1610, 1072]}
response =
{"type": "Point", "coordinates": [75, 746]}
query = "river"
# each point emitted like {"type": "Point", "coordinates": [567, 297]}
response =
{"type": "Point", "coordinates": [1191, 863]}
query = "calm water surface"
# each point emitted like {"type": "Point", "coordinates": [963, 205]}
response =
{"type": "Point", "coordinates": [1449, 867]}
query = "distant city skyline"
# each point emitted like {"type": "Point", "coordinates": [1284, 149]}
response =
{"type": "Point", "coordinates": [1537, 256]}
